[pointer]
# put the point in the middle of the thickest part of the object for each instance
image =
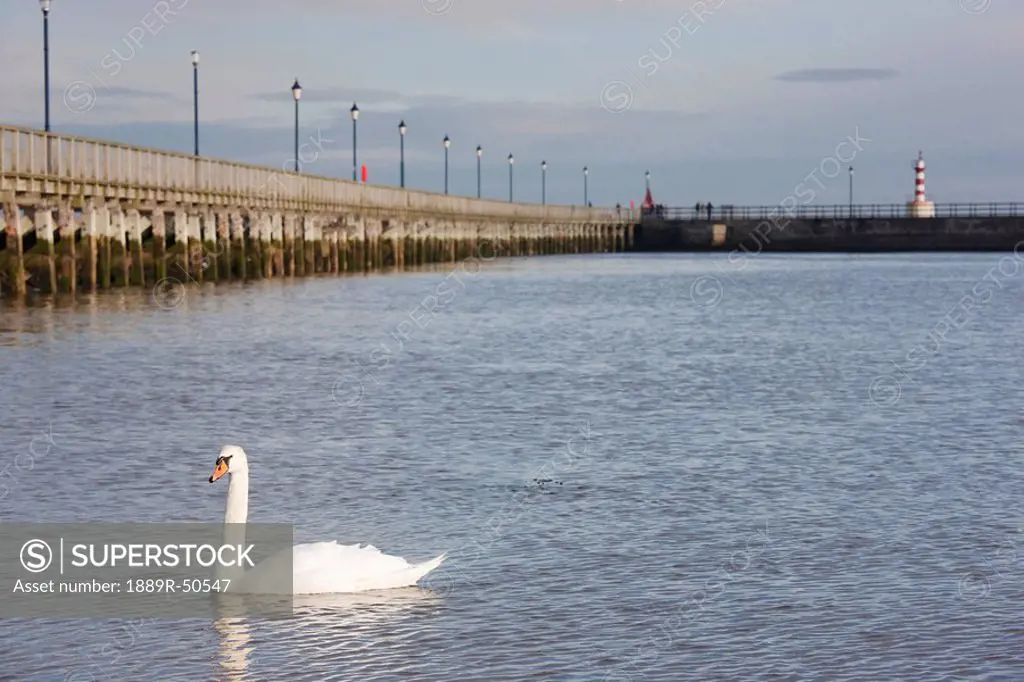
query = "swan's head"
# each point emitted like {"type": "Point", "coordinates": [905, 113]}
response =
{"type": "Point", "coordinates": [231, 460]}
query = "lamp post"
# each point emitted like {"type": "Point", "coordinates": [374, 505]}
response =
{"type": "Point", "coordinates": [45, 6]}
{"type": "Point", "coordinates": [647, 180]}
{"type": "Point", "coordinates": [195, 101]}
{"type": "Point", "coordinates": [511, 160]}
{"type": "Point", "coordinates": [355, 166]}
{"type": "Point", "coordinates": [447, 144]}
{"type": "Point", "coordinates": [296, 95]}
{"type": "Point", "coordinates": [401, 152]}
{"type": "Point", "coordinates": [851, 191]}
{"type": "Point", "coordinates": [543, 183]}
{"type": "Point", "coordinates": [586, 172]}
{"type": "Point", "coordinates": [479, 153]}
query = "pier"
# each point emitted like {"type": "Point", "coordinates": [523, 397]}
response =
{"type": "Point", "coordinates": [91, 214]}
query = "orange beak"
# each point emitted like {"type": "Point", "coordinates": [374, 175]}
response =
{"type": "Point", "coordinates": [222, 468]}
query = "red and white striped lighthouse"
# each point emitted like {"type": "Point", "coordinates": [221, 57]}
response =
{"type": "Point", "coordinates": [920, 207]}
{"type": "Point", "coordinates": [919, 179]}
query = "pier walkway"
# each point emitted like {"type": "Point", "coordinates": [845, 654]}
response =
{"type": "Point", "coordinates": [83, 213]}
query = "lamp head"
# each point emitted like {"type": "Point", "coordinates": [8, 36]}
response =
{"type": "Point", "coordinates": [401, 127]}
{"type": "Point", "coordinates": [195, 58]}
{"type": "Point", "coordinates": [447, 142]}
{"type": "Point", "coordinates": [543, 165]}
{"type": "Point", "coordinates": [586, 171]}
{"type": "Point", "coordinates": [297, 90]}
{"type": "Point", "coordinates": [45, 6]}
{"type": "Point", "coordinates": [479, 151]}
{"type": "Point", "coordinates": [355, 111]}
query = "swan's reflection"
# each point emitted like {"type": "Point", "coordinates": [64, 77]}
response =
{"type": "Point", "coordinates": [233, 647]}
{"type": "Point", "coordinates": [321, 627]}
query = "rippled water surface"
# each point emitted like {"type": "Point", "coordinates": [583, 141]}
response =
{"type": "Point", "coordinates": [778, 468]}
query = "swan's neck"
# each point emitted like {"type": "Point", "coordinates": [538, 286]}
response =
{"type": "Point", "coordinates": [234, 519]}
{"type": "Point", "coordinates": [238, 498]}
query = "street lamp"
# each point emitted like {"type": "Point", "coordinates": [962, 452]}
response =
{"type": "Point", "coordinates": [511, 160]}
{"type": "Point", "coordinates": [401, 143]}
{"type": "Point", "coordinates": [447, 144]}
{"type": "Point", "coordinates": [479, 153]}
{"type": "Point", "coordinates": [195, 101]}
{"type": "Point", "coordinates": [647, 180]}
{"type": "Point", "coordinates": [296, 95]}
{"type": "Point", "coordinates": [45, 6]}
{"type": "Point", "coordinates": [851, 191]}
{"type": "Point", "coordinates": [355, 166]}
{"type": "Point", "coordinates": [543, 182]}
{"type": "Point", "coordinates": [586, 172]}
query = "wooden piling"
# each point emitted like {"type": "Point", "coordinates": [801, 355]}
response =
{"type": "Point", "coordinates": [211, 245]}
{"type": "Point", "coordinates": [159, 219]}
{"type": "Point", "coordinates": [92, 227]}
{"type": "Point", "coordinates": [42, 219]}
{"type": "Point", "coordinates": [15, 252]}
{"type": "Point", "coordinates": [309, 254]}
{"type": "Point", "coordinates": [269, 243]}
{"type": "Point", "coordinates": [289, 244]}
{"type": "Point", "coordinates": [237, 230]}
{"type": "Point", "coordinates": [68, 252]}
{"type": "Point", "coordinates": [223, 245]}
{"type": "Point", "coordinates": [120, 245]}
{"type": "Point", "coordinates": [134, 257]}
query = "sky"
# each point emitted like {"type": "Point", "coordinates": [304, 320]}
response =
{"type": "Point", "coordinates": [730, 101]}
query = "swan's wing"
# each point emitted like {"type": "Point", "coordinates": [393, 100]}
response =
{"type": "Point", "coordinates": [329, 567]}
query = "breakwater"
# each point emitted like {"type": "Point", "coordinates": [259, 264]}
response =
{"type": "Point", "coordinates": [951, 233]}
{"type": "Point", "coordinates": [90, 214]}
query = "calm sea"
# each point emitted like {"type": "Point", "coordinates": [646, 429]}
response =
{"type": "Point", "coordinates": [682, 467]}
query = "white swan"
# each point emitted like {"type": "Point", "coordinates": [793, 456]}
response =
{"type": "Point", "coordinates": [317, 567]}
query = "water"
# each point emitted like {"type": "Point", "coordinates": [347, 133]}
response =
{"type": "Point", "coordinates": [736, 502]}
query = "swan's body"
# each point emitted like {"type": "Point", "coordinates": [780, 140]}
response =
{"type": "Point", "coordinates": [317, 567]}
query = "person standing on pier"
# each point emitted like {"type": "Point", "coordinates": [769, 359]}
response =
{"type": "Point", "coordinates": [709, 210]}
{"type": "Point", "coordinates": [696, 210]}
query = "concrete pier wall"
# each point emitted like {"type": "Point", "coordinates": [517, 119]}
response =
{"type": "Point", "coordinates": [1001, 233]}
{"type": "Point", "coordinates": [92, 214]}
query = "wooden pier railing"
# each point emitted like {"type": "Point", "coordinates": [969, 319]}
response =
{"type": "Point", "coordinates": [33, 161]}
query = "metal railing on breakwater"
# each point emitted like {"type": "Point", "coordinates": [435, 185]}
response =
{"type": "Point", "coordinates": [836, 211]}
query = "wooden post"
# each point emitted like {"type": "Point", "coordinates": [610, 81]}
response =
{"type": "Point", "coordinates": [15, 249]}
{"type": "Point", "coordinates": [92, 227]}
{"type": "Point", "coordinates": [180, 226]}
{"type": "Point", "coordinates": [211, 245]}
{"type": "Point", "coordinates": [333, 240]}
{"type": "Point", "coordinates": [265, 229]}
{"type": "Point", "coordinates": [278, 233]}
{"type": "Point", "coordinates": [119, 243]}
{"type": "Point", "coordinates": [289, 245]}
{"type": "Point", "coordinates": [308, 240]}
{"type": "Point", "coordinates": [159, 219]}
{"type": "Point", "coordinates": [43, 221]}
{"type": "Point", "coordinates": [196, 253]}
{"type": "Point", "coordinates": [237, 229]}
{"type": "Point", "coordinates": [133, 257]}
{"type": "Point", "coordinates": [223, 245]}
{"type": "Point", "coordinates": [68, 227]}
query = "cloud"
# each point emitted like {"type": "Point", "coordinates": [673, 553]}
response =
{"type": "Point", "coordinates": [136, 93]}
{"type": "Point", "coordinates": [364, 96]}
{"type": "Point", "coordinates": [836, 75]}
